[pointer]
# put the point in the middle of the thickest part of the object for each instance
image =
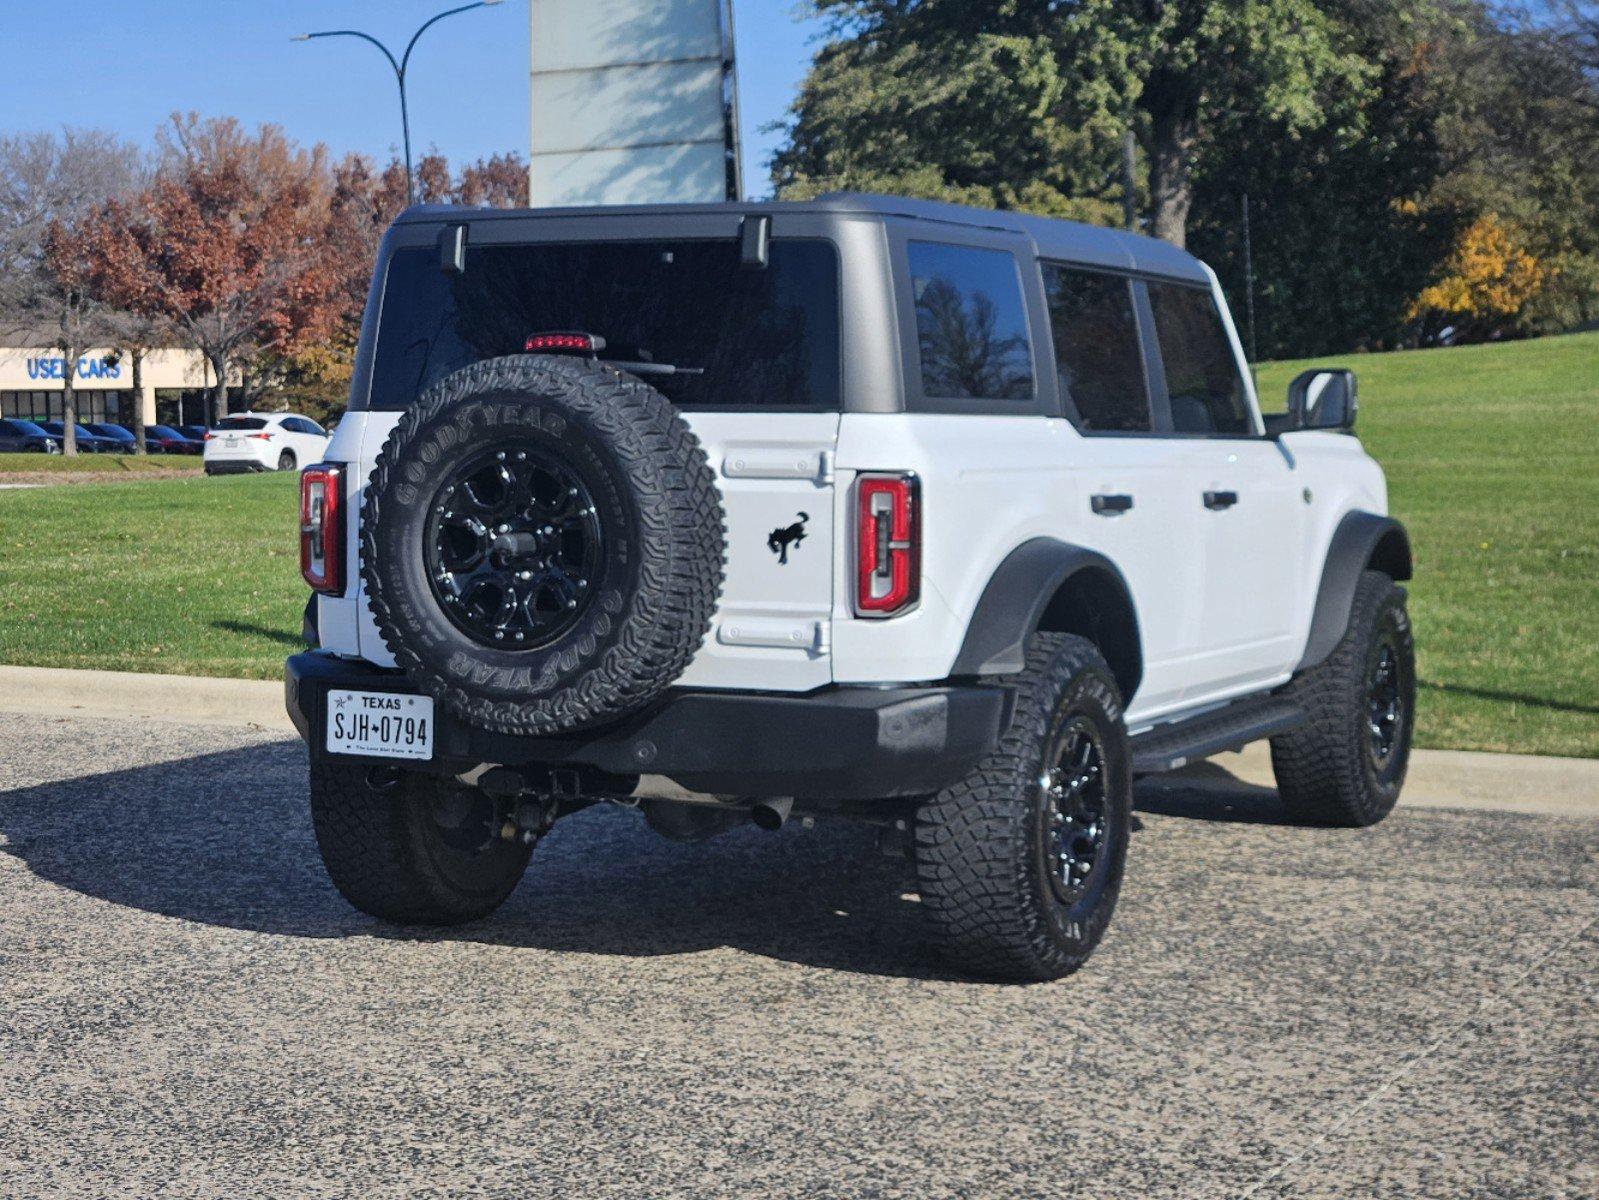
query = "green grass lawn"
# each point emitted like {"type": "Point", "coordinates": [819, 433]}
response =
{"type": "Point", "coordinates": [1492, 454]}
{"type": "Point", "coordinates": [1492, 457]}
{"type": "Point", "coordinates": [192, 576]}
{"type": "Point", "coordinates": [60, 464]}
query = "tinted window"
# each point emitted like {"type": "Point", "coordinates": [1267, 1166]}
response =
{"type": "Point", "coordinates": [971, 324]}
{"type": "Point", "coordinates": [1207, 392]}
{"type": "Point", "coordinates": [241, 423]}
{"type": "Point", "coordinates": [1097, 353]}
{"type": "Point", "coordinates": [746, 337]}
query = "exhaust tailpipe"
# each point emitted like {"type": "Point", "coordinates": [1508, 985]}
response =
{"type": "Point", "coordinates": [770, 814]}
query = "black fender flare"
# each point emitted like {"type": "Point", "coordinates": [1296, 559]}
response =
{"type": "Point", "coordinates": [1361, 540]}
{"type": "Point", "coordinates": [1014, 605]}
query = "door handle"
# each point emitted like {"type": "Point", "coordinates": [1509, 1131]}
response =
{"type": "Point", "coordinates": [1219, 500]}
{"type": "Point", "coordinates": [1108, 505]}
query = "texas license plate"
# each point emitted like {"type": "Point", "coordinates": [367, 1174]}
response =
{"type": "Point", "coordinates": [379, 724]}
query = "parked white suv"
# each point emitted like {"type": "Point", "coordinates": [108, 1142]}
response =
{"type": "Point", "coordinates": [948, 521]}
{"type": "Point", "coordinates": [252, 441]}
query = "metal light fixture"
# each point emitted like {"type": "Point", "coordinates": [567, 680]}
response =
{"type": "Point", "coordinates": [399, 66]}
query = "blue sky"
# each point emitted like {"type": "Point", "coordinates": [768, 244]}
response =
{"type": "Point", "coordinates": [123, 65]}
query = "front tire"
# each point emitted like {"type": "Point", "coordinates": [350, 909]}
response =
{"type": "Point", "coordinates": [410, 848]}
{"type": "Point", "coordinates": [1020, 864]}
{"type": "Point", "coordinates": [1346, 764]}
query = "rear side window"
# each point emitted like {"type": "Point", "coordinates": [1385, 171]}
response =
{"type": "Point", "coordinates": [735, 337]}
{"type": "Point", "coordinates": [1207, 392]}
{"type": "Point", "coordinates": [971, 323]}
{"type": "Point", "coordinates": [1097, 354]}
{"type": "Point", "coordinates": [241, 423]}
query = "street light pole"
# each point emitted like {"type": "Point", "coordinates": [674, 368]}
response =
{"type": "Point", "coordinates": [400, 67]}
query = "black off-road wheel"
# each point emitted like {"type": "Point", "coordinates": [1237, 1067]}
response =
{"type": "Point", "coordinates": [542, 544]}
{"type": "Point", "coordinates": [411, 848]}
{"type": "Point", "coordinates": [1346, 764]}
{"type": "Point", "coordinates": [1020, 863]}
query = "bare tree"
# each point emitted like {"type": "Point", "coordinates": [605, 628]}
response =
{"type": "Point", "coordinates": [135, 335]}
{"type": "Point", "coordinates": [1578, 29]}
{"type": "Point", "coordinates": [49, 184]}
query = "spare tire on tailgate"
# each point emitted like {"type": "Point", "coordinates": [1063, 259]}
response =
{"type": "Point", "coordinates": [542, 543]}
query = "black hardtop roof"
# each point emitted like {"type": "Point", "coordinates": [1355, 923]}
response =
{"type": "Point", "coordinates": [1072, 241]}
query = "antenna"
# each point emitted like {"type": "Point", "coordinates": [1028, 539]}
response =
{"type": "Point", "coordinates": [1249, 290]}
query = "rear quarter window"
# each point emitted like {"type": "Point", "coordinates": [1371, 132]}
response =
{"type": "Point", "coordinates": [971, 323]}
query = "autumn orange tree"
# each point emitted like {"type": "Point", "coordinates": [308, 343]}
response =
{"type": "Point", "coordinates": [258, 252]}
{"type": "Point", "coordinates": [314, 375]}
{"type": "Point", "coordinates": [228, 243]}
{"type": "Point", "coordinates": [1484, 283]}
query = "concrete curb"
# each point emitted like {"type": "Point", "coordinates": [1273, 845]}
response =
{"type": "Point", "coordinates": [47, 691]}
{"type": "Point", "coordinates": [1525, 783]}
{"type": "Point", "coordinates": [1437, 779]}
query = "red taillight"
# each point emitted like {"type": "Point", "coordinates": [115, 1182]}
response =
{"type": "Point", "coordinates": [888, 544]}
{"type": "Point", "coordinates": [261, 437]}
{"type": "Point", "coordinates": [580, 343]}
{"type": "Point", "coordinates": [322, 527]}
{"type": "Point", "coordinates": [209, 435]}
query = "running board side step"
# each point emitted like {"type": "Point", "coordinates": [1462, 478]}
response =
{"type": "Point", "coordinates": [1178, 743]}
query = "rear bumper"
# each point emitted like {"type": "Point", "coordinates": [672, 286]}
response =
{"type": "Point", "coordinates": [233, 466]}
{"type": "Point", "coordinates": [844, 743]}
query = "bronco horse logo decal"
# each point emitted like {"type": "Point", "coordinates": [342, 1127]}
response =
{"type": "Point", "coordinates": [780, 540]}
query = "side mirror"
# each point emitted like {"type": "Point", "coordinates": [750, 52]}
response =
{"type": "Point", "coordinates": [1324, 398]}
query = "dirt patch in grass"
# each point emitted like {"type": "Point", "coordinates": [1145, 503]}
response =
{"type": "Point", "coordinates": [52, 478]}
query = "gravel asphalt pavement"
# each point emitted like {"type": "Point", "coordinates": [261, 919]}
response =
{"type": "Point", "coordinates": [188, 1009]}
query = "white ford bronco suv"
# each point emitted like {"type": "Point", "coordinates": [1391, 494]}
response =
{"type": "Point", "coordinates": [948, 521]}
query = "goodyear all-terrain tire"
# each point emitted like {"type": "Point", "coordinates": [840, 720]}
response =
{"type": "Point", "coordinates": [603, 628]}
{"type": "Point", "coordinates": [411, 848]}
{"type": "Point", "coordinates": [1021, 862]}
{"type": "Point", "coordinates": [1346, 764]}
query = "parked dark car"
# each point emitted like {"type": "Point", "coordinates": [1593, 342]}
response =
{"type": "Point", "coordinates": [18, 436]}
{"type": "Point", "coordinates": [116, 433]}
{"type": "Point", "coordinates": [89, 442]}
{"type": "Point", "coordinates": [197, 432]}
{"type": "Point", "coordinates": [164, 439]}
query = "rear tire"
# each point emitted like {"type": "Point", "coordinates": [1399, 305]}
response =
{"type": "Point", "coordinates": [410, 848]}
{"type": "Point", "coordinates": [1346, 764]}
{"type": "Point", "coordinates": [1015, 880]}
{"type": "Point", "coordinates": [286, 461]}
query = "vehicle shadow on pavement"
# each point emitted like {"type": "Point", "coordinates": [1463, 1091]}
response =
{"type": "Point", "coordinates": [225, 839]}
{"type": "Point", "coordinates": [1207, 791]}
